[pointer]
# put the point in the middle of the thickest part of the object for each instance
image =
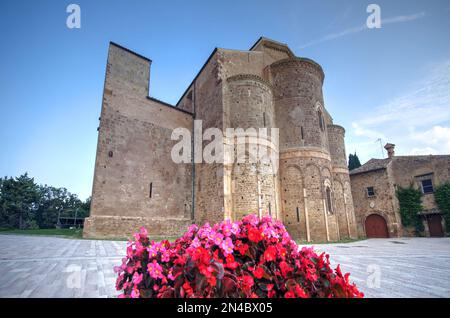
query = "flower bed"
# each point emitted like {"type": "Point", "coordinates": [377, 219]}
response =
{"type": "Point", "coordinates": [249, 258]}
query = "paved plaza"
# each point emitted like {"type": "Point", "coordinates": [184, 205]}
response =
{"type": "Point", "coordinates": [36, 266]}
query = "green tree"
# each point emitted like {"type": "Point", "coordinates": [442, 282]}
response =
{"type": "Point", "coordinates": [24, 204]}
{"type": "Point", "coordinates": [85, 208]}
{"type": "Point", "coordinates": [18, 200]}
{"type": "Point", "coordinates": [353, 162]}
{"type": "Point", "coordinates": [442, 197]}
{"type": "Point", "coordinates": [58, 202]}
{"type": "Point", "coordinates": [52, 202]}
{"type": "Point", "coordinates": [410, 207]}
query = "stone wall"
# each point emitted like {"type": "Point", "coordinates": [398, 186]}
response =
{"type": "Point", "coordinates": [298, 103]}
{"type": "Point", "coordinates": [264, 87]}
{"type": "Point", "coordinates": [401, 171]}
{"type": "Point", "coordinates": [248, 101]}
{"type": "Point", "coordinates": [409, 170]}
{"type": "Point", "coordinates": [134, 173]}
{"type": "Point", "coordinates": [383, 203]}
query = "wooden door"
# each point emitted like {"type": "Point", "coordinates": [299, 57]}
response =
{"type": "Point", "coordinates": [435, 225]}
{"type": "Point", "coordinates": [376, 227]}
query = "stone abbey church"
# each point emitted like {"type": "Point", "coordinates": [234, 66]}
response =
{"type": "Point", "coordinates": [136, 183]}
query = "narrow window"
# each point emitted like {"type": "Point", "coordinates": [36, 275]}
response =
{"type": "Point", "coordinates": [264, 119]}
{"type": "Point", "coordinates": [270, 209]}
{"type": "Point", "coordinates": [150, 190]}
{"type": "Point", "coordinates": [321, 123]}
{"type": "Point", "coordinates": [301, 131]}
{"type": "Point", "coordinates": [370, 192]}
{"type": "Point", "coordinates": [298, 214]}
{"type": "Point", "coordinates": [427, 186]}
{"type": "Point", "coordinates": [110, 154]}
{"type": "Point", "coordinates": [329, 206]}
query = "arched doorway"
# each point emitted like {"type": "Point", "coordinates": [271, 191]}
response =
{"type": "Point", "coordinates": [376, 227]}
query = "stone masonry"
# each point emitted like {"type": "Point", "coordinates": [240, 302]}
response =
{"type": "Point", "coordinates": [384, 176]}
{"type": "Point", "coordinates": [136, 182]}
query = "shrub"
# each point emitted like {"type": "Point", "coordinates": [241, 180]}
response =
{"type": "Point", "coordinates": [442, 196]}
{"type": "Point", "coordinates": [249, 258]}
{"type": "Point", "coordinates": [410, 207]}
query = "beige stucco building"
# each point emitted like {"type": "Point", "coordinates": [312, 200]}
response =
{"type": "Point", "coordinates": [136, 183]}
{"type": "Point", "coordinates": [374, 187]}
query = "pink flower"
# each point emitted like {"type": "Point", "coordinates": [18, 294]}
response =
{"type": "Point", "coordinates": [139, 248]}
{"type": "Point", "coordinates": [252, 219]}
{"type": "Point", "coordinates": [135, 293]}
{"type": "Point", "coordinates": [143, 232]}
{"type": "Point", "coordinates": [218, 239]}
{"type": "Point", "coordinates": [195, 242]}
{"type": "Point", "coordinates": [165, 257]}
{"type": "Point", "coordinates": [155, 270]}
{"type": "Point", "coordinates": [137, 278]}
{"type": "Point", "coordinates": [152, 251]}
{"type": "Point", "coordinates": [235, 229]}
{"type": "Point", "coordinates": [227, 246]}
{"type": "Point", "coordinates": [226, 228]}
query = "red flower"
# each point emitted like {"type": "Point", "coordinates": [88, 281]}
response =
{"type": "Point", "coordinates": [300, 292]}
{"type": "Point", "coordinates": [270, 292]}
{"type": "Point", "coordinates": [212, 281]}
{"type": "Point", "coordinates": [254, 235]}
{"type": "Point", "coordinates": [289, 294]}
{"type": "Point", "coordinates": [270, 254]}
{"type": "Point", "coordinates": [231, 263]}
{"type": "Point", "coordinates": [247, 283]}
{"type": "Point", "coordinates": [241, 247]}
{"type": "Point", "coordinates": [188, 289]}
{"type": "Point", "coordinates": [259, 273]}
{"type": "Point", "coordinates": [285, 269]}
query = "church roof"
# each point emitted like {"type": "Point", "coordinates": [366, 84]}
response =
{"type": "Point", "coordinates": [372, 165]}
{"type": "Point", "coordinates": [272, 43]}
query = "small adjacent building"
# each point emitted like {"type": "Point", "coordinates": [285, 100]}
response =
{"type": "Point", "coordinates": [374, 187]}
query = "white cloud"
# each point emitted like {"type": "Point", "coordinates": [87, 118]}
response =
{"type": "Point", "coordinates": [366, 132]}
{"type": "Point", "coordinates": [437, 140]}
{"type": "Point", "coordinates": [358, 29]}
{"type": "Point", "coordinates": [418, 121]}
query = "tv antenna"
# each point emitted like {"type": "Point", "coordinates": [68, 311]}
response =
{"type": "Point", "coordinates": [381, 146]}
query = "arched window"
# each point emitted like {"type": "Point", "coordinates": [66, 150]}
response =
{"type": "Point", "coordinates": [328, 198]}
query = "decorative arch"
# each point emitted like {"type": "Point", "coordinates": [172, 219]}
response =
{"type": "Point", "coordinates": [292, 190]}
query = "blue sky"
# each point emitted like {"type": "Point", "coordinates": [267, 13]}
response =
{"type": "Point", "coordinates": [391, 83]}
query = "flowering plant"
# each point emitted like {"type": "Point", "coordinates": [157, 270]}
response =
{"type": "Point", "coordinates": [249, 258]}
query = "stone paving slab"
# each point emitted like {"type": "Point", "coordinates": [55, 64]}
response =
{"type": "Point", "coordinates": [37, 266]}
{"type": "Point", "coordinates": [396, 267]}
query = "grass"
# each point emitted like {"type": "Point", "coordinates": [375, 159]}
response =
{"type": "Point", "coordinates": [346, 240]}
{"type": "Point", "coordinates": [67, 233]}
{"type": "Point", "coordinates": [163, 238]}
{"type": "Point", "coordinates": [75, 234]}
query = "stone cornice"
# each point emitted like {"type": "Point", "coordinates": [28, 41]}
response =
{"type": "Point", "coordinates": [307, 152]}
{"type": "Point", "coordinates": [340, 170]}
{"type": "Point", "coordinates": [301, 61]}
{"type": "Point", "coordinates": [336, 127]}
{"type": "Point", "coordinates": [252, 77]}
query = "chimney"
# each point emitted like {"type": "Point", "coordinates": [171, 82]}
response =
{"type": "Point", "coordinates": [390, 150]}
